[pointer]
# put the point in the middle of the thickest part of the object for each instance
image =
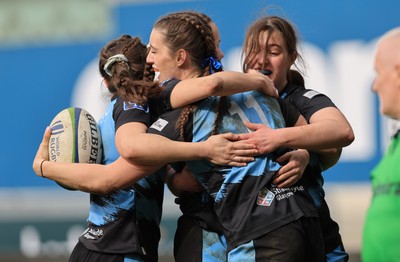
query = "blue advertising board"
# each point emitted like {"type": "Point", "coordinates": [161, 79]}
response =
{"type": "Point", "coordinates": [45, 73]}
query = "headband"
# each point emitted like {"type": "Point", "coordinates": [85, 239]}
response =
{"type": "Point", "coordinates": [113, 59]}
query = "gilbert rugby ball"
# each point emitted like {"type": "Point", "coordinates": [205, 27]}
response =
{"type": "Point", "coordinates": [75, 137]}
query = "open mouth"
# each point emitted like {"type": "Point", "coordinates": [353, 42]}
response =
{"type": "Point", "coordinates": [265, 72]}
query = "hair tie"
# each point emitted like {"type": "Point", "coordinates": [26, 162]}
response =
{"type": "Point", "coordinates": [111, 60]}
{"type": "Point", "coordinates": [214, 64]}
{"type": "Point", "coordinates": [41, 168]}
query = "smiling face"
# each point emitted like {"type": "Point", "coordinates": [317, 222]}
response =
{"type": "Point", "coordinates": [271, 54]}
{"type": "Point", "coordinates": [180, 44]}
{"type": "Point", "coordinates": [161, 57]}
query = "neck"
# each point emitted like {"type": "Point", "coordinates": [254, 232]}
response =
{"type": "Point", "coordinates": [188, 73]}
{"type": "Point", "coordinates": [281, 86]}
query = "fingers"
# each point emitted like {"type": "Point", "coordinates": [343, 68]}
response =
{"type": "Point", "coordinates": [287, 176]}
{"type": "Point", "coordinates": [244, 136]}
{"type": "Point", "coordinates": [43, 152]}
{"type": "Point", "coordinates": [236, 161]}
{"type": "Point", "coordinates": [243, 152]}
{"type": "Point", "coordinates": [44, 146]}
{"type": "Point", "coordinates": [240, 145]}
{"type": "Point", "coordinates": [237, 164]}
{"type": "Point", "coordinates": [253, 126]}
{"type": "Point", "coordinates": [271, 91]}
{"type": "Point", "coordinates": [243, 159]}
{"type": "Point", "coordinates": [285, 180]}
{"type": "Point", "coordinates": [246, 153]}
{"type": "Point", "coordinates": [46, 136]}
{"type": "Point", "coordinates": [283, 158]}
{"type": "Point", "coordinates": [240, 162]}
{"type": "Point", "coordinates": [287, 183]}
{"type": "Point", "coordinates": [229, 136]}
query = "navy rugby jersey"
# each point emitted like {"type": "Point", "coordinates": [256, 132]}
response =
{"type": "Point", "coordinates": [308, 102]}
{"type": "Point", "coordinates": [126, 221]}
{"type": "Point", "coordinates": [245, 201]}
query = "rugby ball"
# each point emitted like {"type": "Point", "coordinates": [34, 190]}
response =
{"type": "Point", "coordinates": [75, 138]}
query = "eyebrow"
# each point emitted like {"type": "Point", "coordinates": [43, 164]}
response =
{"type": "Point", "coordinates": [151, 46]}
{"type": "Point", "coordinates": [274, 45]}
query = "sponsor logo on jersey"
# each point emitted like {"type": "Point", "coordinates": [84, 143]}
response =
{"type": "Point", "coordinates": [128, 105]}
{"type": "Point", "coordinates": [92, 233]}
{"type": "Point", "coordinates": [159, 124]}
{"type": "Point", "coordinates": [265, 197]}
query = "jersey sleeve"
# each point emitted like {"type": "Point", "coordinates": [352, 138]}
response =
{"type": "Point", "coordinates": [127, 112]}
{"type": "Point", "coordinates": [309, 101]}
{"type": "Point", "coordinates": [289, 112]}
{"type": "Point", "coordinates": [166, 94]}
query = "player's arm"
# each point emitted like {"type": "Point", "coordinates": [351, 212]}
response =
{"type": "Point", "coordinates": [148, 149]}
{"type": "Point", "coordinates": [92, 178]}
{"type": "Point", "coordinates": [327, 157]}
{"type": "Point", "coordinates": [220, 84]}
{"type": "Point", "coordinates": [152, 149]}
{"type": "Point", "coordinates": [296, 161]}
{"type": "Point", "coordinates": [181, 181]}
{"type": "Point", "coordinates": [328, 129]}
{"type": "Point", "coordinates": [330, 156]}
{"type": "Point", "coordinates": [104, 179]}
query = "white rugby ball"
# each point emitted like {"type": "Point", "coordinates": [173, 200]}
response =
{"type": "Point", "coordinates": [75, 137]}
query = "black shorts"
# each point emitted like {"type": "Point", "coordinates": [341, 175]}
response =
{"type": "Point", "coordinates": [82, 254]}
{"type": "Point", "coordinates": [299, 241]}
{"type": "Point", "coordinates": [195, 244]}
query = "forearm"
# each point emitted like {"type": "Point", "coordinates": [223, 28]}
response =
{"type": "Point", "coordinates": [236, 82]}
{"type": "Point", "coordinates": [151, 149]}
{"type": "Point", "coordinates": [316, 136]}
{"type": "Point", "coordinates": [329, 157]}
{"type": "Point", "coordinates": [218, 84]}
{"type": "Point", "coordinates": [94, 178]}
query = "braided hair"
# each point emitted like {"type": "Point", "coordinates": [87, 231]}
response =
{"type": "Point", "coordinates": [130, 78]}
{"type": "Point", "coordinates": [189, 31]}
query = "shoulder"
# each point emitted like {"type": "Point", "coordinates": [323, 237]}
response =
{"type": "Point", "coordinates": [168, 86]}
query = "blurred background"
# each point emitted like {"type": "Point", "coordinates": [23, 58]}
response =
{"type": "Point", "coordinates": [48, 61]}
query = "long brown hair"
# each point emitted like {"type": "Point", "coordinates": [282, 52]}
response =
{"type": "Point", "coordinates": [133, 79]}
{"type": "Point", "coordinates": [272, 24]}
{"type": "Point", "coordinates": [189, 31]}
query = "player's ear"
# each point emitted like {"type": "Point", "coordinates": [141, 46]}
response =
{"type": "Point", "coordinates": [181, 57]}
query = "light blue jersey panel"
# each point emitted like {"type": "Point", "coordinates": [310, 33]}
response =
{"type": "Point", "coordinates": [107, 129]}
{"type": "Point", "coordinates": [107, 211]}
{"type": "Point", "coordinates": [251, 107]}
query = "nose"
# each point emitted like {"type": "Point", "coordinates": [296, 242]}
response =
{"type": "Point", "coordinates": [149, 58]}
{"type": "Point", "coordinates": [262, 59]}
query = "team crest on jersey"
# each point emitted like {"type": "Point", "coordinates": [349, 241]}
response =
{"type": "Point", "coordinates": [265, 197]}
{"type": "Point", "coordinates": [159, 124]}
{"type": "Point", "coordinates": [130, 105]}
